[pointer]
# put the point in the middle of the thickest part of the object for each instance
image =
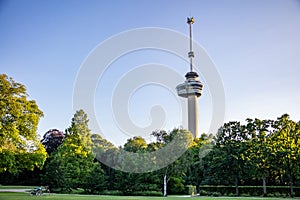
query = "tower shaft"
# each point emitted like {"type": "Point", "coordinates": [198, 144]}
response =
{"type": "Point", "coordinates": [193, 115]}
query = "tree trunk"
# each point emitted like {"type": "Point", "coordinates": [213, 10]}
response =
{"type": "Point", "coordinates": [264, 185]}
{"type": "Point", "coordinates": [237, 186]}
{"type": "Point", "coordinates": [291, 185]}
{"type": "Point", "coordinates": [165, 185]}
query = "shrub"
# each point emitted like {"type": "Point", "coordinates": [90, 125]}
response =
{"type": "Point", "coordinates": [190, 189]}
{"type": "Point", "coordinates": [245, 195]}
{"type": "Point", "coordinates": [255, 194]}
{"type": "Point", "coordinates": [231, 194]}
{"type": "Point", "coordinates": [271, 195]}
{"type": "Point", "coordinates": [147, 193]}
{"type": "Point", "coordinates": [176, 186]}
{"type": "Point", "coordinates": [216, 194]}
{"type": "Point", "coordinates": [251, 190]}
{"type": "Point", "coordinates": [203, 193]}
{"type": "Point", "coordinates": [111, 192]}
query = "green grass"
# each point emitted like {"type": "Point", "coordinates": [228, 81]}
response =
{"type": "Point", "coordinates": [26, 196]}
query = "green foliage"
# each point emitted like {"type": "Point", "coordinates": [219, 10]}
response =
{"type": "Point", "coordinates": [260, 149]}
{"type": "Point", "coordinates": [146, 193]}
{"type": "Point", "coordinates": [52, 139]}
{"type": "Point", "coordinates": [135, 144]}
{"type": "Point", "coordinates": [276, 191]}
{"type": "Point", "coordinates": [239, 155]}
{"type": "Point", "coordinates": [203, 193]}
{"type": "Point", "coordinates": [176, 185]}
{"type": "Point", "coordinates": [195, 157]}
{"type": "Point", "coordinates": [129, 183]}
{"type": "Point", "coordinates": [72, 165]}
{"type": "Point", "coordinates": [19, 147]}
{"type": "Point", "coordinates": [216, 194]}
{"type": "Point", "coordinates": [95, 181]}
{"type": "Point", "coordinates": [69, 166]}
{"type": "Point", "coordinates": [190, 189]}
{"type": "Point", "coordinates": [79, 125]}
{"type": "Point", "coordinates": [111, 192]}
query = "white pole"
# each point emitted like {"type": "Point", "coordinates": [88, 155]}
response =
{"type": "Point", "coordinates": [165, 185]}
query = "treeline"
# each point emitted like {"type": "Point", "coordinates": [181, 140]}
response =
{"type": "Point", "coordinates": [259, 152]}
{"type": "Point", "coordinates": [255, 153]}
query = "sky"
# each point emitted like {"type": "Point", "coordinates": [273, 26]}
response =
{"type": "Point", "coordinates": [253, 44]}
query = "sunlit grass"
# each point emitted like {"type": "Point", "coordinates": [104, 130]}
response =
{"type": "Point", "coordinates": [26, 196]}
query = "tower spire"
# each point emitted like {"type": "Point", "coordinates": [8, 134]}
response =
{"type": "Point", "coordinates": [190, 21]}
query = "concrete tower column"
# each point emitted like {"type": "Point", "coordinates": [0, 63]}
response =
{"type": "Point", "coordinates": [193, 115]}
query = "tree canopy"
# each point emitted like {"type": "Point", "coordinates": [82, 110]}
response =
{"type": "Point", "coordinates": [52, 139]}
{"type": "Point", "coordinates": [19, 146]}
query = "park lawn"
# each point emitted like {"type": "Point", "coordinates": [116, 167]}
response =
{"type": "Point", "coordinates": [26, 196]}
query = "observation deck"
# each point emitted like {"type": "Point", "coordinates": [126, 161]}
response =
{"type": "Point", "coordinates": [190, 87]}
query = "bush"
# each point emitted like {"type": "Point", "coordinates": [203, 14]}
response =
{"type": "Point", "coordinates": [271, 195]}
{"type": "Point", "coordinates": [111, 192]}
{"type": "Point", "coordinates": [176, 186]}
{"type": "Point", "coordinates": [245, 195]}
{"type": "Point", "coordinates": [277, 194]}
{"type": "Point", "coordinates": [231, 194]}
{"type": "Point", "coordinates": [190, 190]}
{"type": "Point", "coordinates": [251, 190]}
{"type": "Point", "coordinates": [203, 193]}
{"type": "Point", "coordinates": [147, 193]}
{"type": "Point", "coordinates": [137, 193]}
{"type": "Point", "coordinates": [216, 194]}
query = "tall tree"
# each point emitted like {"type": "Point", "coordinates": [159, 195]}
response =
{"type": "Point", "coordinates": [231, 138]}
{"type": "Point", "coordinates": [173, 174]}
{"type": "Point", "coordinates": [286, 139]}
{"type": "Point", "coordinates": [73, 162]}
{"type": "Point", "coordinates": [261, 154]}
{"type": "Point", "coordinates": [79, 125]}
{"type": "Point", "coordinates": [198, 150]}
{"type": "Point", "coordinates": [95, 181]}
{"type": "Point", "coordinates": [70, 165]}
{"type": "Point", "coordinates": [19, 146]}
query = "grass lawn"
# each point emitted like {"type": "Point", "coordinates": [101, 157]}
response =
{"type": "Point", "coordinates": [25, 196]}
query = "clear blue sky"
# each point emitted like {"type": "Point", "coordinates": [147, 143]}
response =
{"type": "Point", "coordinates": [254, 44]}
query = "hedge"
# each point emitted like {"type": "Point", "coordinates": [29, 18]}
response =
{"type": "Point", "coordinates": [280, 191]}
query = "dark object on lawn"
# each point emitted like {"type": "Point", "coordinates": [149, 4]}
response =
{"type": "Point", "coordinates": [37, 191]}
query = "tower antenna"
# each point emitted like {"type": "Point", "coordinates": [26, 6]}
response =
{"type": "Point", "coordinates": [190, 21]}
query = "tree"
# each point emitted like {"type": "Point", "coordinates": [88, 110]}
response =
{"type": "Point", "coordinates": [107, 154]}
{"type": "Point", "coordinates": [198, 150]}
{"type": "Point", "coordinates": [70, 165]}
{"type": "Point", "coordinates": [79, 125]}
{"type": "Point", "coordinates": [174, 172]}
{"type": "Point", "coordinates": [95, 181]}
{"type": "Point", "coordinates": [215, 171]}
{"type": "Point", "coordinates": [135, 144]}
{"type": "Point", "coordinates": [231, 139]}
{"type": "Point", "coordinates": [52, 139]}
{"type": "Point", "coordinates": [19, 146]}
{"type": "Point", "coordinates": [286, 139]}
{"type": "Point", "coordinates": [73, 162]}
{"type": "Point", "coordinates": [261, 154]}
